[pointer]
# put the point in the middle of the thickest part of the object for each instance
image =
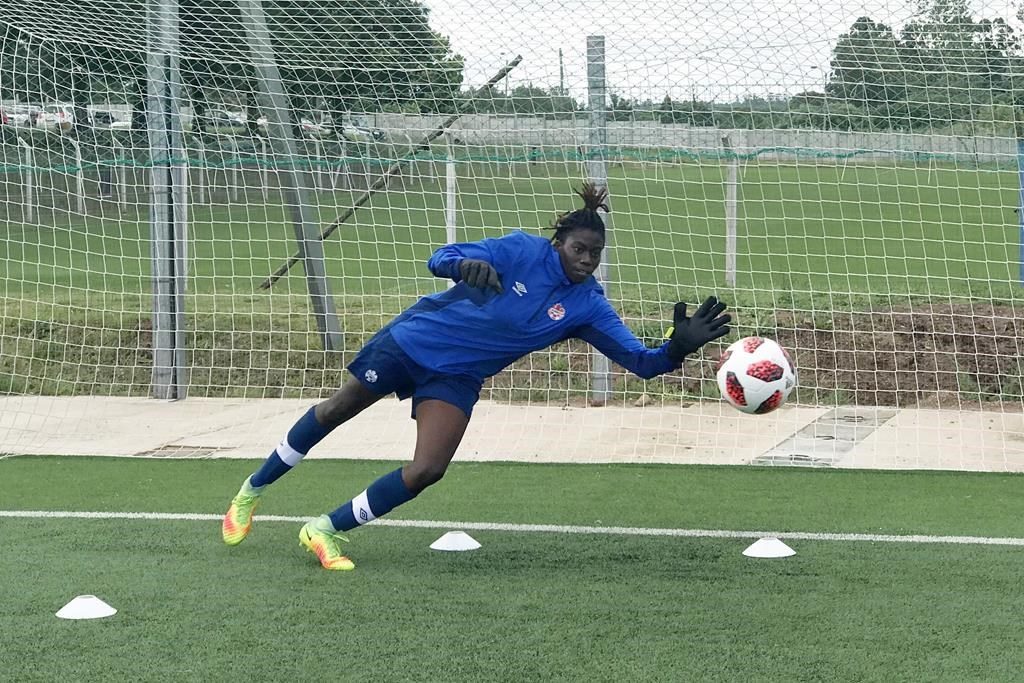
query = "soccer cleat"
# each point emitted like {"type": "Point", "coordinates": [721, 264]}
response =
{"type": "Point", "coordinates": [326, 546]}
{"type": "Point", "coordinates": [238, 520]}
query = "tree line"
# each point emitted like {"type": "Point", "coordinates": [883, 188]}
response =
{"type": "Point", "coordinates": [943, 70]}
{"type": "Point", "coordinates": [332, 56]}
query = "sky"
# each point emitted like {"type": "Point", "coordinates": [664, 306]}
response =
{"type": "Point", "coordinates": [711, 49]}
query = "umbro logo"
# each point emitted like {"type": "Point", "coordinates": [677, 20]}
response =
{"type": "Point", "coordinates": [519, 288]}
{"type": "Point", "coordinates": [362, 514]}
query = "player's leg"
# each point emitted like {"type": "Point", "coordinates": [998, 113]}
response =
{"type": "Point", "coordinates": [440, 427]}
{"type": "Point", "coordinates": [311, 428]}
{"type": "Point", "coordinates": [319, 421]}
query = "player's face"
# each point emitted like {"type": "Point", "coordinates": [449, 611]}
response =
{"type": "Point", "coordinates": [580, 254]}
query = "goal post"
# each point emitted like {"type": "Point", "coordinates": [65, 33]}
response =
{"type": "Point", "coordinates": [168, 209]}
{"type": "Point", "coordinates": [597, 174]}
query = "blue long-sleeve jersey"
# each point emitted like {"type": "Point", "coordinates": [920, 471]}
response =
{"type": "Point", "coordinates": [468, 331]}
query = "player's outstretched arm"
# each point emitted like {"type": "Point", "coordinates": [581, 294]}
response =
{"type": "Point", "coordinates": [688, 334]}
{"type": "Point", "coordinates": [475, 263]}
{"type": "Point", "coordinates": [608, 334]}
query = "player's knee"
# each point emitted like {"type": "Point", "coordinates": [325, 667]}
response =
{"type": "Point", "coordinates": [333, 411]}
{"type": "Point", "coordinates": [345, 404]}
{"type": "Point", "coordinates": [420, 477]}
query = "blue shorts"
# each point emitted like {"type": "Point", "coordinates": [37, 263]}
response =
{"type": "Point", "coordinates": [383, 368]}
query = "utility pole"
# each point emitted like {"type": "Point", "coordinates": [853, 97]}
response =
{"type": "Point", "coordinates": [561, 74]}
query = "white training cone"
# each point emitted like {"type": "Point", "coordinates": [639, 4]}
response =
{"type": "Point", "coordinates": [86, 607]}
{"type": "Point", "coordinates": [455, 540]}
{"type": "Point", "coordinates": [769, 547]}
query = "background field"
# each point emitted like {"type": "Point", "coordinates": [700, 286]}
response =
{"type": "Point", "coordinates": [539, 606]}
{"type": "Point", "coordinates": [816, 242]}
{"type": "Point", "coordinates": [856, 229]}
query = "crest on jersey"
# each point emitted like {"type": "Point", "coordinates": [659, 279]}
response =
{"type": "Point", "coordinates": [556, 312]}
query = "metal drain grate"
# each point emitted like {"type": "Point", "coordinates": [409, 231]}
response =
{"type": "Point", "coordinates": [825, 441]}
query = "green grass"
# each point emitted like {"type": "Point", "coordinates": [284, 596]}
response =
{"type": "Point", "coordinates": [526, 606]}
{"type": "Point", "coordinates": [832, 229]}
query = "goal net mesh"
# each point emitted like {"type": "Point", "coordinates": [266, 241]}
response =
{"type": "Point", "coordinates": [845, 177]}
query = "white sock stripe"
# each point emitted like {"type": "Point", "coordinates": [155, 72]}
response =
{"type": "Point", "coordinates": [289, 455]}
{"type": "Point", "coordinates": [361, 509]}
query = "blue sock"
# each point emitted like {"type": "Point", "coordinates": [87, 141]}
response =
{"type": "Point", "coordinates": [271, 470]}
{"type": "Point", "coordinates": [303, 435]}
{"type": "Point", "coordinates": [382, 497]}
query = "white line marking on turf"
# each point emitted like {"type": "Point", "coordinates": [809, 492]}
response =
{"type": "Point", "coordinates": [537, 528]}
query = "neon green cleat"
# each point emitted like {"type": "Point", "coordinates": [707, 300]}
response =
{"type": "Point", "coordinates": [238, 520]}
{"type": "Point", "coordinates": [319, 538]}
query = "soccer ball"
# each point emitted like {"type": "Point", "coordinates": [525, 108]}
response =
{"type": "Point", "coordinates": [756, 375]}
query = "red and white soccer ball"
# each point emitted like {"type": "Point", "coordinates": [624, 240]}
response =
{"type": "Point", "coordinates": [756, 375]}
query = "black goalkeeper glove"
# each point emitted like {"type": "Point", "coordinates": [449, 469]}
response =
{"type": "Point", "coordinates": [689, 334]}
{"type": "Point", "coordinates": [479, 274]}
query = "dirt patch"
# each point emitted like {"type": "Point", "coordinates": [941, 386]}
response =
{"type": "Point", "coordinates": [953, 356]}
{"type": "Point", "coordinates": [941, 355]}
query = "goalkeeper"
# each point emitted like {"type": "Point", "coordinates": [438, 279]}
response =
{"type": "Point", "coordinates": [514, 295]}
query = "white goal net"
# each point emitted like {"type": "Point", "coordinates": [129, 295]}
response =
{"type": "Point", "coordinates": [207, 206]}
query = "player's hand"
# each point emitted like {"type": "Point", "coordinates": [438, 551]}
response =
{"type": "Point", "coordinates": [689, 334]}
{"type": "Point", "coordinates": [480, 274]}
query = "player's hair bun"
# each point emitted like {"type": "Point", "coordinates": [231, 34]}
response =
{"type": "Point", "coordinates": [594, 197]}
{"type": "Point", "coordinates": [587, 218]}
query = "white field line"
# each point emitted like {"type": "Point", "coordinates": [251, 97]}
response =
{"type": "Point", "coordinates": [536, 528]}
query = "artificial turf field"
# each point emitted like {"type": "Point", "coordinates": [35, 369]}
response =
{"type": "Point", "coordinates": [565, 602]}
{"type": "Point", "coordinates": [558, 602]}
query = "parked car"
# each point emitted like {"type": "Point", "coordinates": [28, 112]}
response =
{"type": "Point", "coordinates": [316, 130]}
{"type": "Point", "coordinates": [362, 134]}
{"type": "Point", "coordinates": [56, 118]}
{"type": "Point", "coordinates": [109, 120]}
{"type": "Point", "coordinates": [21, 115]}
{"type": "Point", "coordinates": [224, 121]}
{"type": "Point", "coordinates": [310, 128]}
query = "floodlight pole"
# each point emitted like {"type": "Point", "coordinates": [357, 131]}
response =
{"type": "Point", "coordinates": [450, 193]}
{"type": "Point", "coordinates": [295, 181]}
{"type": "Point", "coordinates": [168, 208]}
{"type": "Point", "coordinates": [28, 176]}
{"type": "Point", "coordinates": [597, 173]}
{"type": "Point", "coordinates": [731, 184]}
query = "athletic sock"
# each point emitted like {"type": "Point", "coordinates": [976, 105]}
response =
{"type": "Point", "coordinates": [383, 495]}
{"type": "Point", "coordinates": [303, 435]}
